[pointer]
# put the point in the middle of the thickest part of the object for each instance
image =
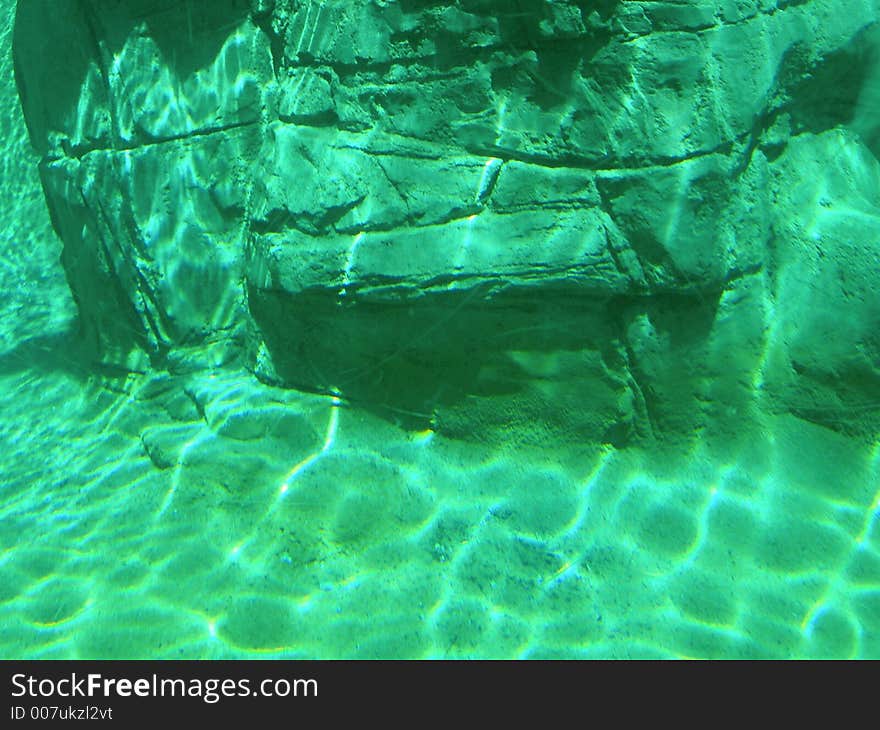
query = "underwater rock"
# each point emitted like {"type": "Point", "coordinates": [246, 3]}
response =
{"type": "Point", "coordinates": [36, 301]}
{"type": "Point", "coordinates": [463, 216]}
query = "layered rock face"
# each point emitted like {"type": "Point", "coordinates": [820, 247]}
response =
{"type": "Point", "coordinates": [579, 220]}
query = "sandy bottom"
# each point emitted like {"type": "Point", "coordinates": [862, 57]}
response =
{"type": "Point", "coordinates": [212, 517]}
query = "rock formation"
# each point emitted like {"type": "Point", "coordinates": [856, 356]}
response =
{"type": "Point", "coordinates": [582, 220]}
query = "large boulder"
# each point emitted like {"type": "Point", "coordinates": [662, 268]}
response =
{"type": "Point", "coordinates": [534, 219]}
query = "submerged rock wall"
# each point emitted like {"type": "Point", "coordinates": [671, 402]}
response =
{"type": "Point", "coordinates": [36, 302]}
{"type": "Point", "coordinates": [579, 220]}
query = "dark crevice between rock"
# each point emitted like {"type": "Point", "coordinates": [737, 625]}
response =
{"type": "Point", "coordinates": [607, 163]}
{"type": "Point", "coordinates": [262, 17]}
{"type": "Point", "coordinates": [81, 150]}
{"type": "Point", "coordinates": [327, 118]}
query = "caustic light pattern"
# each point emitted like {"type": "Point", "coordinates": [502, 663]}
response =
{"type": "Point", "coordinates": [410, 329]}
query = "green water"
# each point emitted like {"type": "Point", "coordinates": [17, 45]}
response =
{"type": "Point", "coordinates": [676, 470]}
